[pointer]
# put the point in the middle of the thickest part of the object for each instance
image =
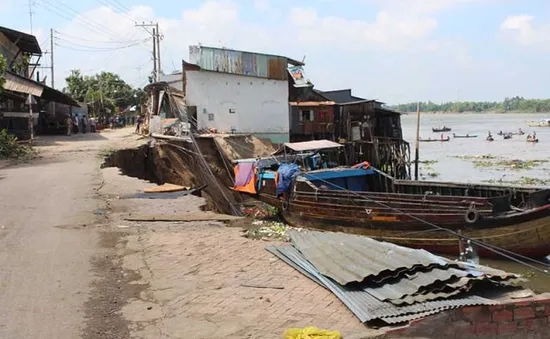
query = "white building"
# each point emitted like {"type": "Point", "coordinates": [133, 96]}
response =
{"type": "Point", "coordinates": [236, 92]}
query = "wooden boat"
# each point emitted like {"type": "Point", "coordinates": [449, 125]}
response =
{"type": "Point", "coordinates": [532, 140]}
{"type": "Point", "coordinates": [363, 200]}
{"type": "Point", "coordinates": [458, 136]}
{"type": "Point", "coordinates": [435, 139]}
{"type": "Point", "coordinates": [442, 129]}
{"type": "Point", "coordinates": [507, 136]}
{"type": "Point", "coordinates": [490, 138]}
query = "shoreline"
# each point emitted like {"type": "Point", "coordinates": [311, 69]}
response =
{"type": "Point", "coordinates": [486, 112]}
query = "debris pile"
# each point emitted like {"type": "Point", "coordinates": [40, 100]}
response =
{"type": "Point", "coordinates": [383, 283]}
{"type": "Point", "coordinates": [268, 229]}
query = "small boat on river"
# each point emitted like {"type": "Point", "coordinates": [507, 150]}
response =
{"type": "Point", "coordinates": [532, 139]}
{"type": "Point", "coordinates": [507, 136]}
{"type": "Point", "coordinates": [490, 138]}
{"type": "Point", "coordinates": [458, 136]}
{"type": "Point", "coordinates": [310, 190]}
{"type": "Point", "coordinates": [435, 139]}
{"type": "Point", "coordinates": [441, 129]}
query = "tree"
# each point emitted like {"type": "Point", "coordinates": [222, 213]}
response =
{"type": "Point", "coordinates": [104, 91]}
{"type": "Point", "coordinates": [2, 70]}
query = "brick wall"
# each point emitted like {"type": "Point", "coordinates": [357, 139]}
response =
{"type": "Point", "coordinates": [523, 319]}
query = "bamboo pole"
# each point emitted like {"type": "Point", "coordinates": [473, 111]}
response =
{"type": "Point", "coordinates": [417, 144]}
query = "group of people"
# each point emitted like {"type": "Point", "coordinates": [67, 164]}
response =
{"type": "Point", "coordinates": [78, 124]}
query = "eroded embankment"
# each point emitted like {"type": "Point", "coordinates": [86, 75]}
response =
{"type": "Point", "coordinates": [181, 163]}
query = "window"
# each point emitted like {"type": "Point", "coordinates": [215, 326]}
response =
{"type": "Point", "coordinates": [210, 117]}
{"type": "Point", "coordinates": [306, 115]}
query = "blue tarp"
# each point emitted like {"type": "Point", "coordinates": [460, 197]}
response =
{"type": "Point", "coordinates": [286, 172]}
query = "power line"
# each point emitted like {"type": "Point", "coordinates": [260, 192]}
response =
{"type": "Point", "coordinates": [87, 22]}
{"type": "Point", "coordinates": [110, 48]}
{"type": "Point", "coordinates": [97, 49]}
{"type": "Point", "coordinates": [96, 41]}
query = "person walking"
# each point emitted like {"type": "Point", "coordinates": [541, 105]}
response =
{"type": "Point", "coordinates": [139, 122]}
{"type": "Point", "coordinates": [84, 124]}
{"type": "Point", "coordinates": [75, 125]}
{"type": "Point", "coordinates": [69, 123]}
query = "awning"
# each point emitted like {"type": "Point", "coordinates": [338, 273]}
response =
{"type": "Point", "coordinates": [16, 83]}
{"type": "Point", "coordinates": [20, 84]}
{"type": "Point", "coordinates": [313, 145]}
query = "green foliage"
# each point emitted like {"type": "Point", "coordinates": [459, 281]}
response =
{"type": "Point", "coordinates": [2, 70]}
{"type": "Point", "coordinates": [515, 104]}
{"type": "Point", "coordinates": [11, 149]}
{"type": "Point", "coordinates": [103, 90]}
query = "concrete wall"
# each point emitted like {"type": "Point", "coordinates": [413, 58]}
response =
{"type": "Point", "coordinates": [513, 319]}
{"type": "Point", "coordinates": [250, 105]}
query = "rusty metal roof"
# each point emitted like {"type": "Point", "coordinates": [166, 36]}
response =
{"type": "Point", "coordinates": [349, 258]}
{"type": "Point", "coordinates": [232, 61]}
{"type": "Point", "coordinates": [363, 304]}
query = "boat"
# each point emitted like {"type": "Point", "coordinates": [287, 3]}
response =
{"type": "Point", "coordinates": [309, 192]}
{"type": "Point", "coordinates": [442, 129]}
{"type": "Point", "coordinates": [490, 138]}
{"type": "Point", "coordinates": [458, 136]}
{"type": "Point", "coordinates": [532, 139]}
{"type": "Point", "coordinates": [507, 136]}
{"type": "Point", "coordinates": [435, 139]}
{"type": "Point", "coordinates": [541, 123]}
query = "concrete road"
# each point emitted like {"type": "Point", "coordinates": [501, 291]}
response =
{"type": "Point", "coordinates": [49, 235]}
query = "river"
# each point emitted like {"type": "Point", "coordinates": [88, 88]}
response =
{"type": "Point", "coordinates": [476, 160]}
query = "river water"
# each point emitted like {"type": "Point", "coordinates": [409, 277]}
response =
{"type": "Point", "coordinates": [476, 160]}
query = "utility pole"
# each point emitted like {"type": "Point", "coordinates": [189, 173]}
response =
{"type": "Point", "coordinates": [156, 47]}
{"type": "Point", "coordinates": [30, 13]}
{"type": "Point", "coordinates": [51, 54]}
{"type": "Point", "coordinates": [159, 71]}
{"type": "Point", "coordinates": [51, 61]}
{"type": "Point", "coordinates": [155, 60]}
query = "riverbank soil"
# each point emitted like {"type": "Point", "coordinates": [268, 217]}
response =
{"type": "Point", "coordinates": [72, 267]}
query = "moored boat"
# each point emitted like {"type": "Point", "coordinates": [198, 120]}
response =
{"type": "Point", "coordinates": [364, 200]}
{"type": "Point", "coordinates": [458, 136]}
{"type": "Point", "coordinates": [435, 139]}
{"type": "Point", "coordinates": [441, 129]}
{"type": "Point", "coordinates": [532, 139]}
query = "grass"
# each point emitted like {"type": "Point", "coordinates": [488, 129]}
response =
{"type": "Point", "coordinates": [11, 149]}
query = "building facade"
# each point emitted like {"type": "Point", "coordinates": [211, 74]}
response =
{"type": "Point", "coordinates": [19, 49]}
{"type": "Point", "coordinates": [230, 91]}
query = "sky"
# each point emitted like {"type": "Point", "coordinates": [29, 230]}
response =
{"type": "Point", "coordinates": [395, 51]}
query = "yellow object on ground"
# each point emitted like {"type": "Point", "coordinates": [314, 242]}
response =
{"type": "Point", "coordinates": [311, 333]}
{"type": "Point", "coordinates": [165, 188]}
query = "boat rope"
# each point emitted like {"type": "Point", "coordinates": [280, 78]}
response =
{"type": "Point", "coordinates": [493, 248]}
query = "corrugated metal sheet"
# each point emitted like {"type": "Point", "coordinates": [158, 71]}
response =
{"type": "Point", "coordinates": [311, 145]}
{"type": "Point", "coordinates": [365, 306]}
{"type": "Point", "coordinates": [19, 84]}
{"type": "Point", "coordinates": [239, 62]}
{"type": "Point", "coordinates": [348, 258]}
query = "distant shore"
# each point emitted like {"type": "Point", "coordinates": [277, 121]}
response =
{"type": "Point", "coordinates": [485, 112]}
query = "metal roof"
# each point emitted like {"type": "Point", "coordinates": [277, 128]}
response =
{"type": "Point", "coordinates": [232, 61]}
{"type": "Point", "coordinates": [364, 305]}
{"type": "Point", "coordinates": [309, 145]}
{"type": "Point", "coordinates": [349, 258]}
{"type": "Point", "coordinates": [340, 96]}
{"type": "Point", "coordinates": [17, 83]}
{"type": "Point", "coordinates": [25, 42]}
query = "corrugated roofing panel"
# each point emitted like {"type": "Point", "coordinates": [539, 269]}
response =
{"type": "Point", "coordinates": [239, 62]}
{"type": "Point", "coordinates": [365, 306]}
{"type": "Point", "coordinates": [349, 258]}
{"type": "Point", "coordinates": [312, 145]}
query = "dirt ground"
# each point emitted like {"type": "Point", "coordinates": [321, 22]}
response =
{"type": "Point", "coordinates": [72, 267]}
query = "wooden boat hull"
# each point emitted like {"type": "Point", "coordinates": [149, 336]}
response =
{"type": "Point", "coordinates": [440, 130]}
{"type": "Point", "coordinates": [464, 136]}
{"type": "Point", "coordinates": [434, 140]}
{"type": "Point", "coordinates": [530, 238]}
